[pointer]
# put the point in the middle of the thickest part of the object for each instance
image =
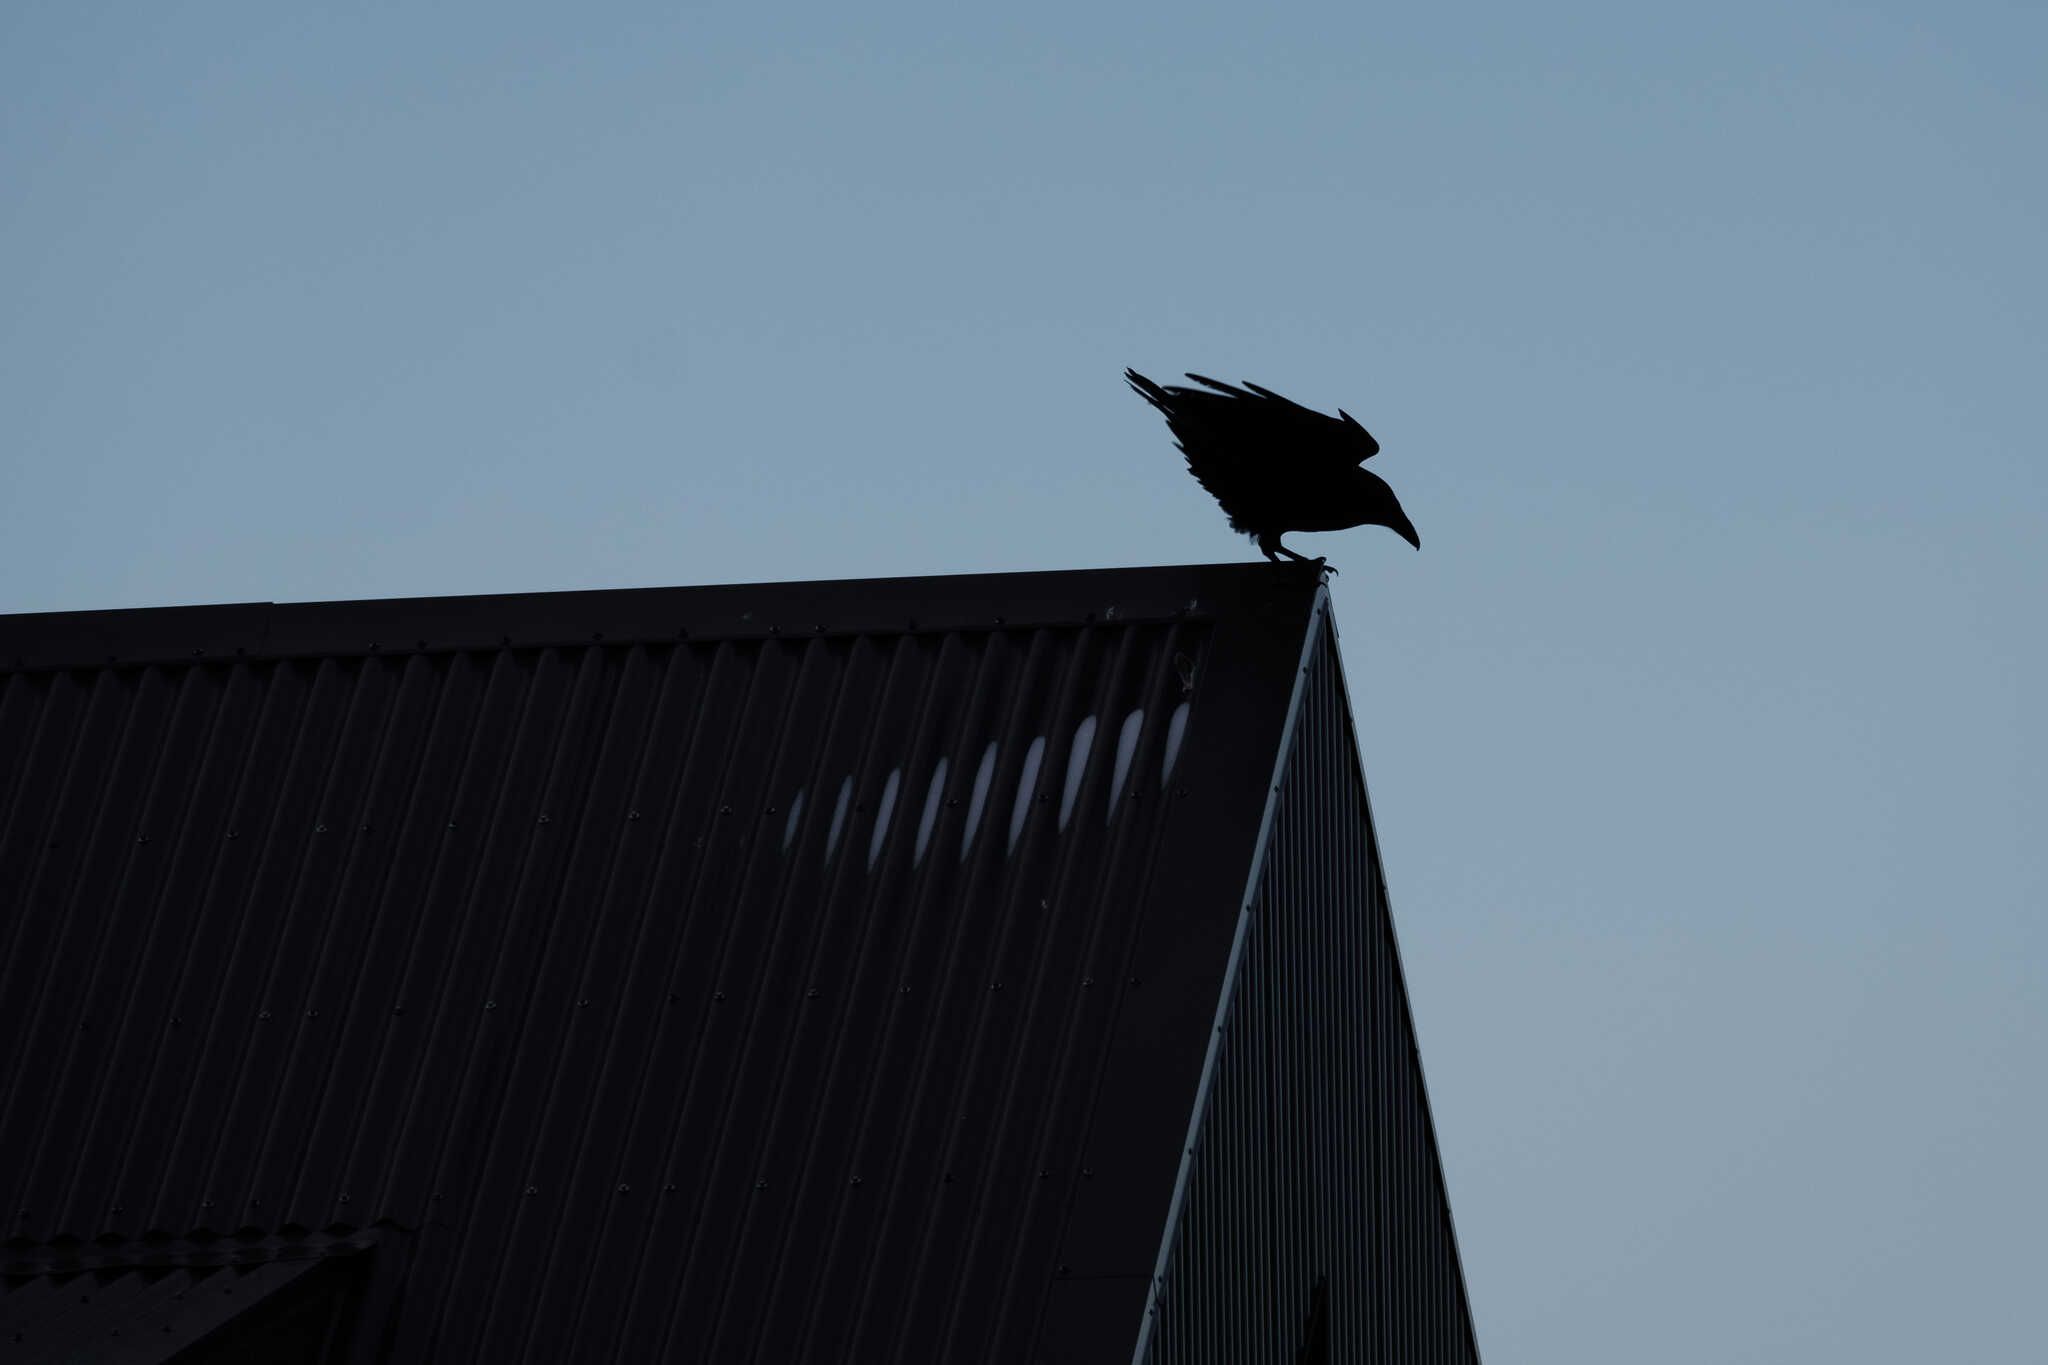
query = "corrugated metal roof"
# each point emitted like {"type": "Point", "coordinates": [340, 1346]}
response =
{"type": "Point", "coordinates": [754, 972]}
{"type": "Point", "coordinates": [1312, 1214]}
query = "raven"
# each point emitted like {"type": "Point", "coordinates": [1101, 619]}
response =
{"type": "Point", "coordinates": [1274, 465]}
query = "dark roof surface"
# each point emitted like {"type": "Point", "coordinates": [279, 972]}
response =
{"type": "Point", "coordinates": [702, 973]}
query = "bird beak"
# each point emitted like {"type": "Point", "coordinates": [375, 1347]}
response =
{"type": "Point", "coordinates": [1406, 530]}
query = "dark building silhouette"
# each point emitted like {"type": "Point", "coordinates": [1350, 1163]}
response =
{"type": "Point", "coordinates": [977, 968]}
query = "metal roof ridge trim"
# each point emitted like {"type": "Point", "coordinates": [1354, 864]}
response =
{"type": "Point", "coordinates": [38, 641]}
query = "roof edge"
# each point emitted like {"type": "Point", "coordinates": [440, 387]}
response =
{"type": "Point", "coordinates": [1407, 1001]}
{"type": "Point", "coordinates": [55, 640]}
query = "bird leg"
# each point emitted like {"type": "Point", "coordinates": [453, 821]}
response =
{"type": "Point", "coordinates": [1271, 548]}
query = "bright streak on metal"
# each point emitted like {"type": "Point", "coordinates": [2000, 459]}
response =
{"type": "Point", "coordinates": [838, 815]}
{"type": "Point", "coordinates": [1126, 749]}
{"type": "Point", "coordinates": [979, 799]}
{"type": "Point", "coordinates": [888, 808]}
{"type": "Point", "coordinates": [796, 810]}
{"type": "Point", "coordinates": [931, 812]}
{"type": "Point", "coordinates": [1077, 763]}
{"type": "Point", "coordinates": [1027, 783]}
{"type": "Point", "coordinates": [1175, 728]}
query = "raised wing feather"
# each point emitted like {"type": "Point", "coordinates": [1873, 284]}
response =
{"type": "Point", "coordinates": [1255, 415]}
{"type": "Point", "coordinates": [1257, 453]}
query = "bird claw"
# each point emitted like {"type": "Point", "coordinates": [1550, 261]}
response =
{"type": "Point", "coordinates": [1324, 565]}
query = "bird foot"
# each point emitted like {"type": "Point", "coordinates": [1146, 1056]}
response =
{"type": "Point", "coordinates": [1274, 553]}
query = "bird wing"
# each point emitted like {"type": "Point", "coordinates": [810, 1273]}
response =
{"type": "Point", "coordinates": [1258, 454]}
{"type": "Point", "coordinates": [1258, 416]}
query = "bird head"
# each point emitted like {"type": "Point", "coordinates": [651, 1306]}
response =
{"type": "Point", "coordinates": [1377, 506]}
{"type": "Point", "coordinates": [1364, 447]}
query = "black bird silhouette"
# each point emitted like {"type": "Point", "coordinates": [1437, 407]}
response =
{"type": "Point", "coordinates": [1274, 465]}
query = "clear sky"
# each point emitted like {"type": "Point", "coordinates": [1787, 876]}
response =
{"type": "Point", "coordinates": [1707, 345]}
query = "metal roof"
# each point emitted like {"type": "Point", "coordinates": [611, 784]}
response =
{"type": "Point", "coordinates": [1311, 1223]}
{"type": "Point", "coordinates": [742, 972]}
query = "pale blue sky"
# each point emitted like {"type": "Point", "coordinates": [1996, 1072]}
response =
{"type": "Point", "coordinates": [1706, 344]}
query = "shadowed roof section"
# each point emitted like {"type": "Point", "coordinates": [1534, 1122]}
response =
{"type": "Point", "coordinates": [744, 972]}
